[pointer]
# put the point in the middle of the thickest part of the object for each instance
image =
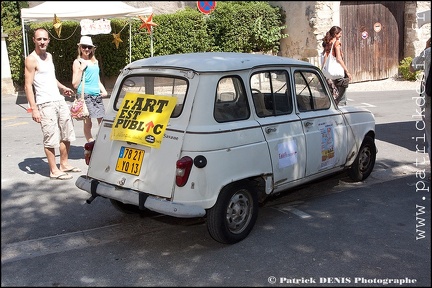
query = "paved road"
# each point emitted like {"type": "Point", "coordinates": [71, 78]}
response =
{"type": "Point", "coordinates": [331, 233]}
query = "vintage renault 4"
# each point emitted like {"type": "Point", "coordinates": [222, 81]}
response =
{"type": "Point", "coordinates": [214, 134]}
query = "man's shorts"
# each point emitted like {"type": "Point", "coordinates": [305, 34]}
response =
{"type": "Point", "coordinates": [56, 123]}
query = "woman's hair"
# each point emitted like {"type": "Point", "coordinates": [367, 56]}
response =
{"type": "Point", "coordinates": [329, 36]}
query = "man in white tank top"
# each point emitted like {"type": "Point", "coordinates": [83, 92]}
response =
{"type": "Point", "coordinates": [48, 106]}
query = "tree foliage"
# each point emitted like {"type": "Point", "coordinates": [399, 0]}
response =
{"type": "Point", "coordinates": [11, 13]}
{"type": "Point", "coordinates": [246, 26]}
{"type": "Point", "coordinates": [404, 70]}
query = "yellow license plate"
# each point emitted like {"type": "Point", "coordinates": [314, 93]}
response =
{"type": "Point", "coordinates": [130, 160]}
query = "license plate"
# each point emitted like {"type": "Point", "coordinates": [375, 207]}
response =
{"type": "Point", "coordinates": [130, 160]}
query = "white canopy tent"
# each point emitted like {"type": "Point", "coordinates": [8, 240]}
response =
{"type": "Point", "coordinates": [78, 10]}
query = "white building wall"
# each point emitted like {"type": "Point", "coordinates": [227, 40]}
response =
{"type": "Point", "coordinates": [6, 76]}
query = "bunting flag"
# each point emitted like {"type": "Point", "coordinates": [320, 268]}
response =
{"type": "Point", "coordinates": [117, 39]}
{"type": "Point", "coordinates": [57, 25]}
{"type": "Point", "coordinates": [147, 22]}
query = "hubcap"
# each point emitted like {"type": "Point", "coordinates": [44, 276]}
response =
{"type": "Point", "coordinates": [364, 159]}
{"type": "Point", "coordinates": [239, 212]}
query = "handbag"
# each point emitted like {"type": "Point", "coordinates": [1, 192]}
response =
{"type": "Point", "coordinates": [342, 82]}
{"type": "Point", "coordinates": [331, 68]}
{"type": "Point", "coordinates": [79, 109]}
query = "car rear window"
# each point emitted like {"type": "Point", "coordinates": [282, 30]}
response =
{"type": "Point", "coordinates": [157, 86]}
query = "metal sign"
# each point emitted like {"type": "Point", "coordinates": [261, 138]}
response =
{"type": "Point", "coordinates": [206, 7]}
{"type": "Point", "coordinates": [377, 27]}
{"type": "Point", "coordinates": [423, 18]}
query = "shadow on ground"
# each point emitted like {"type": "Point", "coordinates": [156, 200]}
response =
{"type": "Point", "coordinates": [402, 134]}
{"type": "Point", "coordinates": [39, 165]}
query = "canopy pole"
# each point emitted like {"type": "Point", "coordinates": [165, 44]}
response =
{"type": "Point", "coordinates": [25, 43]}
{"type": "Point", "coordinates": [130, 42]}
{"type": "Point", "coordinates": [151, 41]}
{"type": "Point", "coordinates": [25, 40]}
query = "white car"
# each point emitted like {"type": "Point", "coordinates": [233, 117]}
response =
{"type": "Point", "coordinates": [213, 134]}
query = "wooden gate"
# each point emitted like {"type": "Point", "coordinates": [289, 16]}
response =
{"type": "Point", "coordinates": [372, 38]}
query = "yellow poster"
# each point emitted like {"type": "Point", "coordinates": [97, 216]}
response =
{"type": "Point", "coordinates": [143, 118]}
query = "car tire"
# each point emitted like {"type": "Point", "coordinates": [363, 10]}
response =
{"type": "Point", "coordinates": [365, 160]}
{"type": "Point", "coordinates": [234, 215]}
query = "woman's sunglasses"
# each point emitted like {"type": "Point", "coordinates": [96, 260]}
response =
{"type": "Point", "coordinates": [86, 47]}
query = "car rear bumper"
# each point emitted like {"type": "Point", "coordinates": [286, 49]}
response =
{"type": "Point", "coordinates": [140, 199]}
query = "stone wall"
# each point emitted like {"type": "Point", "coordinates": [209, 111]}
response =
{"type": "Point", "coordinates": [307, 22]}
{"type": "Point", "coordinates": [415, 37]}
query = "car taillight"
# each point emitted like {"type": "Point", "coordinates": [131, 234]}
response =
{"type": "Point", "coordinates": [88, 148]}
{"type": "Point", "coordinates": [183, 168]}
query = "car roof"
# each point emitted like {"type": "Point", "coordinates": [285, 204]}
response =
{"type": "Point", "coordinates": [214, 61]}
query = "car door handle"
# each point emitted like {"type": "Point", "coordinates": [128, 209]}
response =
{"type": "Point", "coordinates": [268, 130]}
{"type": "Point", "coordinates": [308, 124]}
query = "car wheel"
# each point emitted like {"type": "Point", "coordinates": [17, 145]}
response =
{"type": "Point", "coordinates": [365, 161]}
{"type": "Point", "coordinates": [233, 216]}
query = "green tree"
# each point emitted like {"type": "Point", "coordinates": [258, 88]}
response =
{"type": "Point", "coordinates": [246, 26]}
{"type": "Point", "coordinates": [11, 14]}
